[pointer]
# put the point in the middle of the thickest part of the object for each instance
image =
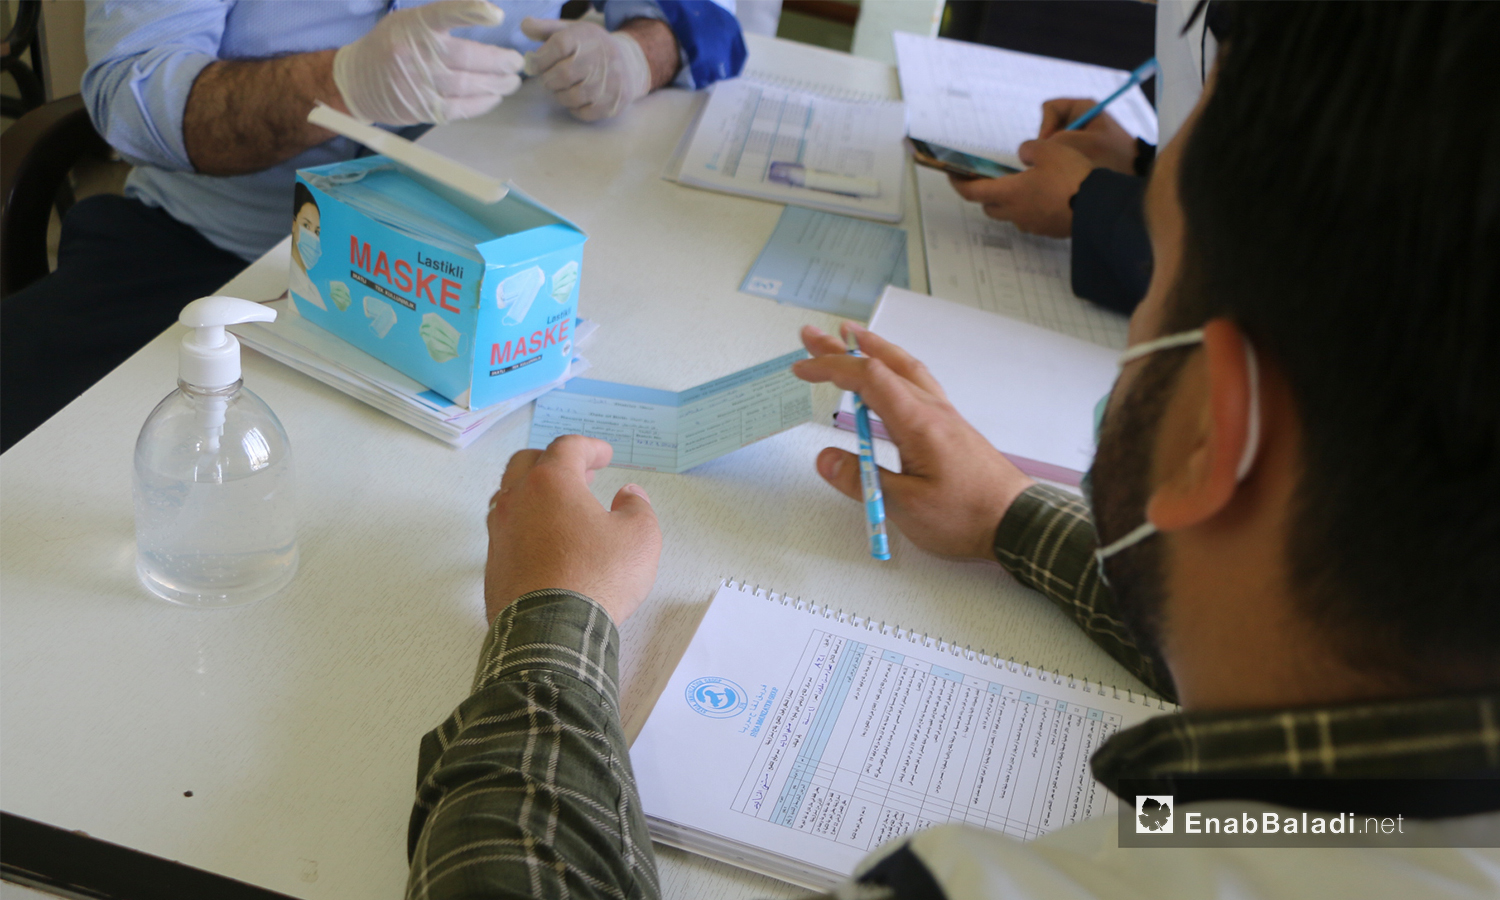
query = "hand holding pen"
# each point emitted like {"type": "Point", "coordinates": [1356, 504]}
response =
{"type": "Point", "coordinates": [1142, 72]}
{"type": "Point", "coordinates": [1084, 125]}
{"type": "Point", "coordinates": [953, 486]}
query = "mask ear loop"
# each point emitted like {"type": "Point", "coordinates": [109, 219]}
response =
{"type": "Point", "coordinates": [1145, 529]}
{"type": "Point", "coordinates": [1252, 436]}
{"type": "Point", "coordinates": [1181, 339]}
{"type": "Point", "coordinates": [1252, 365]}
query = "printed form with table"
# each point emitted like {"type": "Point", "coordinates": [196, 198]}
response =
{"type": "Point", "coordinates": [831, 728]}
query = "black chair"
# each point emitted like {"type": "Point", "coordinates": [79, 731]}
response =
{"type": "Point", "coordinates": [21, 39]}
{"type": "Point", "coordinates": [36, 155]}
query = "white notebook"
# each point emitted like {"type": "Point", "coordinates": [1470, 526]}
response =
{"type": "Point", "coordinates": [749, 124]}
{"type": "Point", "coordinates": [988, 100]}
{"type": "Point", "coordinates": [793, 739]}
{"type": "Point", "coordinates": [1030, 391]}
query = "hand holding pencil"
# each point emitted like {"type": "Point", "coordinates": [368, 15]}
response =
{"type": "Point", "coordinates": [1075, 138]}
{"type": "Point", "coordinates": [954, 486]}
{"type": "Point", "coordinates": [1102, 139]}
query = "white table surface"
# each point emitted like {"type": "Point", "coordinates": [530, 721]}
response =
{"type": "Point", "coordinates": [295, 722]}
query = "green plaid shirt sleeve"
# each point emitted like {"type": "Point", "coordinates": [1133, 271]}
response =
{"type": "Point", "coordinates": [1047, 541]}
{"type": "Point", "coordinates": [526, 789]}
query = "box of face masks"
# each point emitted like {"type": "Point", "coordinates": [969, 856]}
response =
{"type": "Point", "coordinates": [475, 300]}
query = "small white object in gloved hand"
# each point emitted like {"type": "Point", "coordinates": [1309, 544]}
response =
{"type": "Point", "coordinates": [410, 71]}
{"type": "Point", "coordinates": [592, 72]}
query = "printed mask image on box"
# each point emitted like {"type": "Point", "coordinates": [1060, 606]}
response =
{"type": "Point", "coordinates": [426, 259]}
{"type": "Point", "coordinates": [517, 292]}
{"type": "Point", "coordinates": [381, 316]}
{"type": "Point", "coordinates": [563, 282]}
{"type": "Point", "coordinates": [340, 294]}
{"type": "Point", "coordinates": [440, 337]}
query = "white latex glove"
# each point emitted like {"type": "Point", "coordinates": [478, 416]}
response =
{"type": "Point", "coordinates": [592, 72]}
{"type": "Point", "coordinates": [410, 71]}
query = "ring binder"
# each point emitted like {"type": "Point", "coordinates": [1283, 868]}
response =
{"type": "Point", "coordinates": [941, 644]}
{"type": "Point", "coordinates": [794, 737]}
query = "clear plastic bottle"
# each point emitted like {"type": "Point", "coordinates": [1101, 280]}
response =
{"type": "Point", "coordinates": [215, 500]}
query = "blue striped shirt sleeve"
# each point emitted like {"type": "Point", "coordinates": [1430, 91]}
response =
{"type": "Point", "coordinates": [143, 60]}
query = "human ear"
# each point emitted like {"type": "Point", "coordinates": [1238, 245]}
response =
{"type": "Point", "coordinates": [1201, 471]}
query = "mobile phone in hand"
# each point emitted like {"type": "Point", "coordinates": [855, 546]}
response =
{"type": "Point", "coordinates": [957, 162]}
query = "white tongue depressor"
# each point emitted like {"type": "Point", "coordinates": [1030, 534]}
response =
{"type": "Point", "coordinates": [440, 168]}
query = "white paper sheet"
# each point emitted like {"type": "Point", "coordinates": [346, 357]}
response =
{"type": "Point", "coordinates": [988, 101]}
{"type": "Point", "coordinates": [794, 740]}
{"type": "Point", "coordinates": [747, 125]}
{"type": "Point", "coordinates": [1030, 391]}
{"type": "Point", "coordinates": [666, 431]}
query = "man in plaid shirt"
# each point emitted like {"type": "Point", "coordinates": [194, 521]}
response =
{"type": "Point", "coordinates": [1296, 503]}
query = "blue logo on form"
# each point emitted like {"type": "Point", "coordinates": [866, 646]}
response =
{"type": "Point", "coordinates": [717, 698]}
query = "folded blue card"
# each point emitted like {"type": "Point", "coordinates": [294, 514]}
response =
{"type": "Point", "coordinates": [673, 431]}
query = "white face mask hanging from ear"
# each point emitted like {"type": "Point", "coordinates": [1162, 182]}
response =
{"type": "Point", "coordinates": [1252, 431]}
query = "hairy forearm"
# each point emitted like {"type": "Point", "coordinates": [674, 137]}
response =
{"type": "Point", "coordinates": [246, 116]}
{"type": "Point", "coordinates": [660, 46]}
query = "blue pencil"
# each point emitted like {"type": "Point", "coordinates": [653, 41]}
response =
{"type": "Point", "coordinates": [869, 473]}
{"type": "Point", "coordinates": [1142, 72]}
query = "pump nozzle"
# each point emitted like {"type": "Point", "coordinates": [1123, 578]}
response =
{"type": "Point", "coordinates": [210, 357]}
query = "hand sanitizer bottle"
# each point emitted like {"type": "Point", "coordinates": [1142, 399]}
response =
{"type": "Point", "coordinates": [215, 508]}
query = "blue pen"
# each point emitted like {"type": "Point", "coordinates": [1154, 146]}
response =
{"type": "Point", "coordinates": [869, 473]}
{"type": "Point", "coordinates": [1143, 71]}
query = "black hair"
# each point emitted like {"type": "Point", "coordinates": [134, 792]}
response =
{"type": "Point", "coordinates": [301, 196]}
{"type": "Point", "coordinates": [1341, 194]}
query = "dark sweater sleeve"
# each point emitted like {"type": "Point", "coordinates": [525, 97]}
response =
{"type": "Point", "coordinates": [1111, 253]}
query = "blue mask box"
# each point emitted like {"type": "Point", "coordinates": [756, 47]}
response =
{"type": "Point", "coordinates": [476, 301]}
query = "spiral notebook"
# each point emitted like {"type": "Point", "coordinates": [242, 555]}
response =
{"type": "Point", "coordinates": [748, 130]}
{"type": "Point", "coordinates": [793, 739]}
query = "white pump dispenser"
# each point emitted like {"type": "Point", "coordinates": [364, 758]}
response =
{"type": "Point", "coordinates": [210, 356]}
{"type": "Point", "coordinates": [214, 496]}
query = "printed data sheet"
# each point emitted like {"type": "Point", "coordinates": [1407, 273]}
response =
{"type": "Point", "coordinates": [829, 262]}
{"type": "Point", "coordinates": [978, 261]}
{"type": "Point", "coordinates": [666, 431]}
{"type": "Point", "coordinates": [887, 742]}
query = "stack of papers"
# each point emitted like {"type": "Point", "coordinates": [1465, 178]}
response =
{"type": "Point", "coordinates": [293, 341]}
